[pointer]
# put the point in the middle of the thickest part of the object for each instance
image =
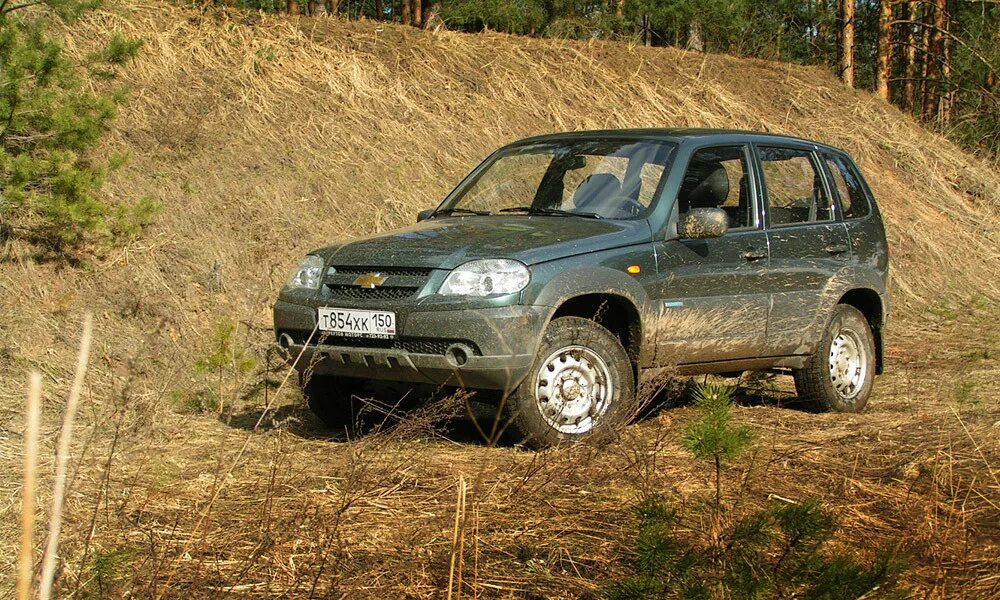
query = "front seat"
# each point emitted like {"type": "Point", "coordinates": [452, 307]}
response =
{"type": "Point", "coordinates": [599, 193]}
{"type": "Point", "coordinates": [711, 191]}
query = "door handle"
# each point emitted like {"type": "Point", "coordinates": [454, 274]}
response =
{"type": "Point", "coordinates": [752, 255]}
{"type": "Point", "coordinates": [836, 248]}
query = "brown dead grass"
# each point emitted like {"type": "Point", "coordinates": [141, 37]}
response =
{"type": "Point", "coordinates": [265, 138]}
{"type": "Point", "coordinates": [304, 515]}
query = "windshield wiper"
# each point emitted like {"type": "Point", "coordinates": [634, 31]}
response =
{"type": "Point", "coordinates": [460, 211]}
{"type": "Point", "coordinates": [538, 210]}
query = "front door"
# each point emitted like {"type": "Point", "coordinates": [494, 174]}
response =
{"type": "Point", "coordinates": [711, 301]}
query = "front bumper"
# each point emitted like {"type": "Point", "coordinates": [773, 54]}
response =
{"type": "Point", "coordinates": [499, 346]}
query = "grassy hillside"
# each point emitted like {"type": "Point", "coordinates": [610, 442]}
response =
{"type": "Point", "coordinates": [264, 138]}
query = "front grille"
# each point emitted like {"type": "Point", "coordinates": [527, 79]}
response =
{"type": "Point", "coordinates": [385, 271]}
{"type": "Point", "coordinates": [413, 345]}
{"type": "Point", "coordinates": [400, 282]}
{"type": "Point", "coordinates": [379, 293]}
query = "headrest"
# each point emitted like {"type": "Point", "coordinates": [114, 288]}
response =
{"type": "Point", "coordinates": [711, 191]}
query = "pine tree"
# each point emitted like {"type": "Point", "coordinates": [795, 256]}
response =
{"type": "Point", "coordinates": [884, 52]}
{"type": "Point", "coordinates": [775, 552]}
{"type": "Point", "coordinates": [49, 122]}
{"type": "Point", "coordinates": [847, 29]}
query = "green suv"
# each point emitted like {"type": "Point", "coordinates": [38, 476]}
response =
{"type": "Point", "coordinates": [565, 267]}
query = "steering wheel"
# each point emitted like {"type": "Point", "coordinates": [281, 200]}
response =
{"type": "Point", "coordinates": [614, 207]}
{"type": "Point", "coordinates": [626, 207]}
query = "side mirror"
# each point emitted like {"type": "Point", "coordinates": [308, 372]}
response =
{"type": "Point", "coordinates": [703, 223]}
{"type": "Point", "coordinates": [424, 214]}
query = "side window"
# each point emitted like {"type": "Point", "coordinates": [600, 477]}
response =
{"type": "Point", "coordinates": [794, 187]}
{"type": "Point", "coordinates": [717, 178]}
{"type": "Point", "coordinates": [853, 200]}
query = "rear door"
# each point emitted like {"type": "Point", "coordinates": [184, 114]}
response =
{"type": "Point", "coordinates": [860, 215]}
{"type": "Point", "coordinates": [808, 244]}
{"type": "Point", "coordinates": [709, 294]}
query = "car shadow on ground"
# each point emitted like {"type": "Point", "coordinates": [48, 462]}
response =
{"type": "Point", "coordinates": [412, 412]}
{"type": "Point", "coordinates": [428, 412]}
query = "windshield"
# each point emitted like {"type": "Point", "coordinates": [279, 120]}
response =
{"type": "Point", "coordinates": [610, 179]}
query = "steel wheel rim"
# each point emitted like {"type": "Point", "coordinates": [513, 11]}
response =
{"type": "Point", "coordinates": [848, 364]}
{"type": "Point", "coordinates": [573, 389]}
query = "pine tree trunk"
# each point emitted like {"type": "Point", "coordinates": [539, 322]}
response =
{"type": "Point", "coordinates": [418, 13]}
{"type": "Point", "coordinates": [912, 38]}
{"type": "Point", "coordinates": [619, 8]}
{"type": "Point", "coordinates": [695, 41]}
{"type": "Point", "coordinates": [929, 44]}
{"type": "Point", "coordinates": [293, 7]}
{"type": "Point", "coordinates": [947, 94]}
{"type": "Point", "coordinates": [883, 65]}
{"type": "Point", "coordinates": [379, 10]}
{"type": "Point", "coordinates": [847, 41]}
{"type": "Point", "coordinates": [647, 31]}
{"type": "Point", "coordinates": [407, 15]}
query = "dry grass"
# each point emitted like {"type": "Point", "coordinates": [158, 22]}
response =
{"type": "Point", "coordinates": [265, 138]}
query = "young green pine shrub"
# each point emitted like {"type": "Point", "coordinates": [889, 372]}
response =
{"type": "Point", "coordinates": [50, 120]}
{"type": "Point", "coordinates": [712, 437]}
{"type": "Point", "coordinates": [222, 370]}
{"type": "Point", "coordinates": [108, 571]}
{"type": "Point", "coordinates": [777, 552]}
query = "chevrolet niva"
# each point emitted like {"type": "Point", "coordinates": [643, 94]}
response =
{"type": "Point", "coordinates": [567, 267]}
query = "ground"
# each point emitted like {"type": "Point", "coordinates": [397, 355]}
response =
{"type": "Point", "coordinates": [207, 504]}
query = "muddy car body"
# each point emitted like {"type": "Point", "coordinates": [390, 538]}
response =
{"type": "Point", "coordinates": [565, 266]}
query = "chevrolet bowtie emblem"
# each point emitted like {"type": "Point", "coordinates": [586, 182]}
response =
{"type": "Point", "coordinates": [369, 280]}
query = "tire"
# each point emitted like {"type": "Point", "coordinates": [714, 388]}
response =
{"type": "Point", "coordinates": [839, 375]}
{"type": "Point", "coordinates": [333, 400]}
{"type": "Point", "coordinates": [577, 357]}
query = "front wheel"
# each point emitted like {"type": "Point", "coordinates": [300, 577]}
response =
{"type": "Point", "coordinates": [840, 375]}
{"type": "Point", "coordinates": [581, 385]}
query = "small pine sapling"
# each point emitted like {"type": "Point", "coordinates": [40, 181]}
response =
{"type": "Point", "coordinates": [225, 359]}
{"type": "Point", "coordinates": [770, 553]}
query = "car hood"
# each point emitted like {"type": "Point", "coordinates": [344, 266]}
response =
{"type": "Point", "coordinates": [445, 243]}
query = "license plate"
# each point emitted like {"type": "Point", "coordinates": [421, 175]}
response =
{"type": "Point", "coordinates": [357, 323]}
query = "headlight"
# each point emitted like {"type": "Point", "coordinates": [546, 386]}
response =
{"type": "Point", "coordinates": [488, 277]}
{"type": "Point", "coordinates": [308, 274]}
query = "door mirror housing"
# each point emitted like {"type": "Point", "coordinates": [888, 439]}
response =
{"type": "Point", "coordinates": [424, 214]}
{"type": "Point", "coordinates": [703, 223]}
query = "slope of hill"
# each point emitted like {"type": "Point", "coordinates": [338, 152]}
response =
{"type": "Point", "coordinates": [289, 134]}
{"type": "Point", "coordinates": [265, 137]}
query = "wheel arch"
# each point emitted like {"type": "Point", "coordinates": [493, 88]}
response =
{"type": "Point", "coordinates": [614, 312]}
{"type": "Point", "coordinates": [869, 303]}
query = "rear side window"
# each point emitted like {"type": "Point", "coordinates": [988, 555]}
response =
{"type": "Point", "coordinates": [795, 192]}
{"type": "Point", "coordinates": [853, 200]}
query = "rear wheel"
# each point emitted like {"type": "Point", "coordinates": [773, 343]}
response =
{"type": "Point", "coordinates": [334, 400]}
{"type": "Point", "coordinates": [581, 385]}
{"type": "Point", "coordinates": [839, 376]}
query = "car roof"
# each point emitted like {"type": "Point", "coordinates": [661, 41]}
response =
{"type": "Point", "coordinates": [677, 135]}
